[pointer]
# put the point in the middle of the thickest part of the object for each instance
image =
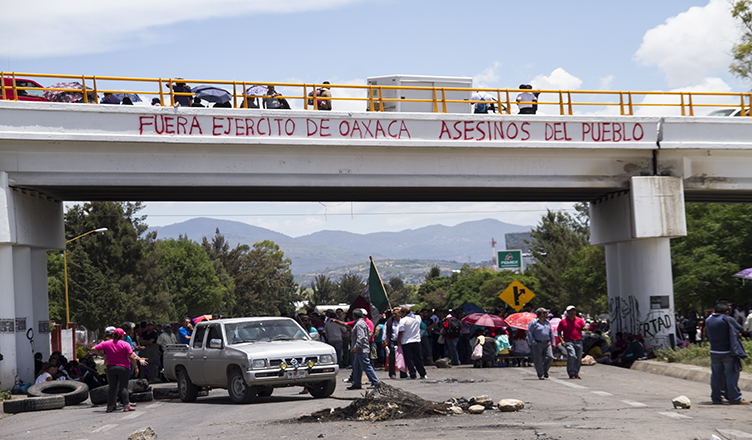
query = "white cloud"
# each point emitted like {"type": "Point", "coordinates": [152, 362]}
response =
{"type": "Point", "coordinates": [670, 102]}
{"type": "Point", "coordinates": [605, 83]}
{"type": "Point", "coordinates": [488, 77]}
{"type": "Point", "coordinates": [692, 45]}
{"type": "Point", "coordinates": [559, 79]}
{"type": "Point", "coordinates": [77, 27]}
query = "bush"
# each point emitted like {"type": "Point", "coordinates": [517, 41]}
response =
{"type": "Point", "coordinates": [4, 395]}
{"type": "Point", "coordinates": [699, 354]}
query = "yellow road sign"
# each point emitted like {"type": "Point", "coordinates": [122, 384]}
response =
{"type": "Point", "coordinates": [516, 295]}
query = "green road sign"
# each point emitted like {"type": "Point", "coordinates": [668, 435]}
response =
{"type": "Point", "coordinates": [509, 260]}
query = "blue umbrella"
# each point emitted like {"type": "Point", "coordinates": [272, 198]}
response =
{"type": "Point", "coordinates": [133, 96]}
{"type": "Point", "coordinates": [258, 90]}
{"type": "Point", "coordinates": [470, 308]}
{"type": "Point", "coordinates": [212, 94]}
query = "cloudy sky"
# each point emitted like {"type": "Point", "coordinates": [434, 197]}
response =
{"type": "Point", "coordinates": [644, 45]}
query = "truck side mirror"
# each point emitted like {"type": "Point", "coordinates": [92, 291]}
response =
{"type": "Point", "coordinates": [215, 343]}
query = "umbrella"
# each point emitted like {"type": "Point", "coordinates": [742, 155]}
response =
{"type": "Point", "coordinates": [485, 320]}
{"type": "Point", "coordinates": [470, 308]}
{"type": "Point", "coordinates": [257, 90]}
{"type": "Point", "coordinates": [603, 316]}
{"type": "Point", "coordinates": [520, 320]}
{"type": "Point", "coordinates": [745, 274]}
{"type": "Point", "coordinates": [133, 96]}
{"type": "Point", "coordinates": [212, 94]}
{"type": "Point", "coordinates": [554, 324]}
{"type": "Point", "coordinates": [67, 96]}
{"type": "Point", "coordinates": [202, 318]}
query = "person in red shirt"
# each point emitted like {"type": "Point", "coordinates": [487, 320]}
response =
{"type": "Point", "coordinates": [570, 333]}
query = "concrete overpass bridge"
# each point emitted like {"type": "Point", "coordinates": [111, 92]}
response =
{"type": "Point", "coordinates": [636, 171]}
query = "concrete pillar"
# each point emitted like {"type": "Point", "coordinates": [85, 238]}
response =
{"type": "Point", "coordinates": [7, 318]}
{"type": "Point", "coordinates": [635, 226]}
{"type": "Point", "coordinates": [41, 303]}
{"type": "Point", "coordinates": [30, 224]}
{"type": "Point", "coordinates": [24, 311]}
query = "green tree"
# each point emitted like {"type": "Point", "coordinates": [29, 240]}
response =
{"type": "Point", "coordinates": [227, 263]}
{"type": "Point", "coordinates": [742, 50]}
{"type": "Point", "coordinates": [717, 245]}
{"type": "Point", "coordinates": [349, 286]}
{"type": "Point", "coordinates": [324, 291]}
{"type": "Point", "coordinates": [189, 278]}
{"type": "Point", "coordinates": [104, 269]}
{"type": "Point", "coordinates": [555, 242]}
{"type": "Point", "coordinates": [265, 284]}
{"type": "Point", "coordinates": [586, 283]}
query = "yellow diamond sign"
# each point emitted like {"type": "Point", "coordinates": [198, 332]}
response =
{"type": "Point", "coordinates": [516, 295]}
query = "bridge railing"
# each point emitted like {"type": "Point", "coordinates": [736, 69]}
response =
{"type": "Point", "coordinates": [563, 102]}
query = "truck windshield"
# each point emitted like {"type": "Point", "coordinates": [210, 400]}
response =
{"type": "Point", "coordinates": [264, 331]}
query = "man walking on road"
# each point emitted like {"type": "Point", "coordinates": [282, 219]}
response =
{"type": "Point", "coordinates": [361, 350]}
{"type": "Point", "coordinates": [570, 334]}
{"type": "Point", "coordinates": [540, 337]}
{"type": "Point", "coordinates": [726, 354]}
{"type": "Point", "coordinates": [409, 339]}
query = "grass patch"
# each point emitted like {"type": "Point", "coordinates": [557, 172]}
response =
{"type": "Point", "coordinates": [699, 354]}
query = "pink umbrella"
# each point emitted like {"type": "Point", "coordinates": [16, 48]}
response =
{"type": "Point", "coordinates": [485, 320]}
{"type": "Point", "coordinates": [202, 318]}
{"type": "Point", "coordinates": [520, 320]}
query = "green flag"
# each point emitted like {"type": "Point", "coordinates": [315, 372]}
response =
{"type": "Point", "coordinates": [376, 290]}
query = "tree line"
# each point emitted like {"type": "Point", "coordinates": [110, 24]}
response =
{"type": "Point", "coordinates": [127, 274]}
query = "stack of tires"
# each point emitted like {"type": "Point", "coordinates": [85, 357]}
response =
{"type": "Point", "coordinates": [139, 390]}
{"type": "Point", "coordinates": [49, 395]}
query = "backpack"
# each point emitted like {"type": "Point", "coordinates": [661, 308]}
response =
{"type": "Point", "coordinates": [311, 94]}
{"type": "Point", "coordinates": [480, 107]}
{"type": "Point", "coordinates": [454, 330]}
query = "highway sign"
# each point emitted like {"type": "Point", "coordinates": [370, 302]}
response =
{"type": "Point", "coordinates": [516, 295]}
{"type": "Point", "coordinates": [510, 260]}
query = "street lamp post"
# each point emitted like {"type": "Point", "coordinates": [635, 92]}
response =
{"type": "Point", "coordinates": [65, 270]}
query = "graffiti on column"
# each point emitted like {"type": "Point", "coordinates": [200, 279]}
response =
{"type": "Point", "coordinates": [624, 313]}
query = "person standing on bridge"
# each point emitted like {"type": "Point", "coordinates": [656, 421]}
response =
{"type": "Point", "coordinates": [540, 337]}
{"type": "Point", "coordinates": [182, 87]}
{"type": "Point", "coordinates": [526, 100]}
{"type": "Point", "coordinates": [726, 354]}
{"type": "Point", "coordinates": [570, 333]}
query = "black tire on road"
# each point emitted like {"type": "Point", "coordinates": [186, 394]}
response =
{"type": "Point", "coordinates": [98, 395]}
{"type": "Point", "coordinates": [170, 392]}
{"type": "Point", "coordinates": [265, 392]}
{"type": "Point", "coordinates": [138, 386]}
{"type": "Point", "coordinates": [239, 391]}
{"type": "Point", "coordinates": [15, 406]}
{"type": "Point", "coordinates": [146, 396]}
{"type": "Point", "coordinates": [186, 389]}
{"type": "Point", "coordinates": [320, 390]}
{"type": "Point", "coordinates": [73, 392]}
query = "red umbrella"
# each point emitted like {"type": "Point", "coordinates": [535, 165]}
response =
{"type": "Point", "coordinates": [485, 320]}
{"type": "Point", "coordinates": [202, 318]}
{"type": "Point", "coordinates": [520, 320]}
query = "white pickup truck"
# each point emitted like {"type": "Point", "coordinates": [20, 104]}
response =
{"type": "Point", "coordinates": [250, 357]}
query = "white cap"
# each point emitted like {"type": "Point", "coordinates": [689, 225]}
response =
{"type": "Point", "coordinates": [570, 308]}
{"type": "Point", "coordinates": [109, 329]}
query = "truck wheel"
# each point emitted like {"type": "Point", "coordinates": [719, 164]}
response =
{"type": "Point", "coordinates": [186, 389]}
{"type": "Point", "coordinates": [239, 391]}
{"type": "Point", "coordinates": [320, 390]}
{"type": "Point", "coordinates": [266, 392]}
{"type": "Point", "coordinates": [73, 392]}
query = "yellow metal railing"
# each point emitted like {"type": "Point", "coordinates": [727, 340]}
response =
{"type": "Point", "coordinates": [565, 101]}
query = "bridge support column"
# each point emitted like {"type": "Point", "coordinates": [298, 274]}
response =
{"type": "Point", "coordinates": [635, 227]}
{"type": "Point", "coordinates": [30, 224]}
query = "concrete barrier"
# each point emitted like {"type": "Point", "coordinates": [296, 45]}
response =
{"type": "Point", "coordinates": [688, 372]}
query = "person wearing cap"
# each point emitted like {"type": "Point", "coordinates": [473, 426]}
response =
{"type": "Point", "coordinates": [570, 333]}
{"type": "Point", "coordinates": [182, 87]}
{"type": "Point", "coordinates": [325, 97]}
{"type": "Point", "coordinates": [119, 356]}
{"type": "Point", "coordinates": [526, 100]}
{"type": "Point", "coordinates": [540, 337]}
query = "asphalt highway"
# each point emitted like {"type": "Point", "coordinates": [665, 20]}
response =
{"type": "Point", "coordinates": [608, 403]}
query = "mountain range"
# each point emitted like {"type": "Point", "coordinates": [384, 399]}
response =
{"type": "Point", "coordinates": [337, 252]}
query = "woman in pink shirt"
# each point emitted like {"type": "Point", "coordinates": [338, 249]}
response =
{"type": "Point", "coordinates": [119, 356]}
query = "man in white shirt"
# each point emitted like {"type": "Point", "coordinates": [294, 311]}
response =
{"type": "Point", "coordinates": [409, 339]}
{"type": "Point", "coordinates": [167, 337]}
{"type": "Point", "coordinates": [526, 100]}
